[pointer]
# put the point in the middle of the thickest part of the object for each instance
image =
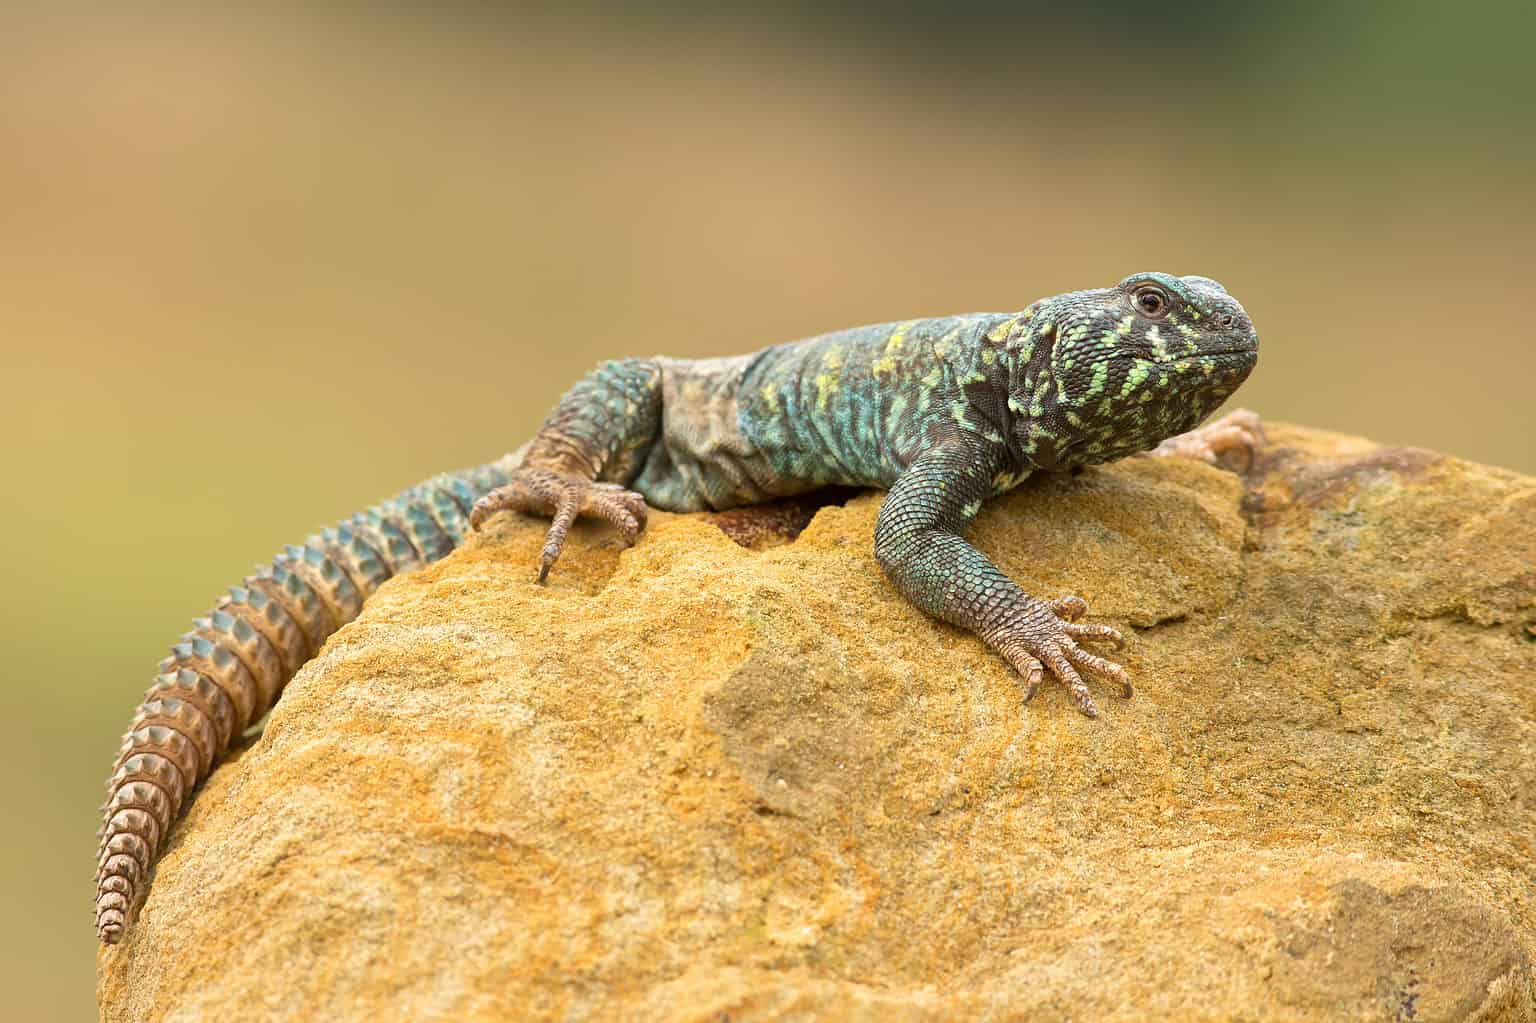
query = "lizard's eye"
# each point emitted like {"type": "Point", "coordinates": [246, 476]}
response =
{"type": "Point", "coordinates": [1151, 302]}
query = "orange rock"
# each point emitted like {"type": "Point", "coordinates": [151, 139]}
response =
{"type": "Point", "coordinates": [693, 781]}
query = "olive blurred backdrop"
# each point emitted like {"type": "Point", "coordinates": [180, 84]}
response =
{"type": "Point", "coordinates": [261, 269]}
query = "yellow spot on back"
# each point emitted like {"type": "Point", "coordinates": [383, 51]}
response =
{"type": "Point", "coordinates": [942, 345]}
{"type": "Point", "coordinates": [887, 362]}
{"type": "Point", "coordinates": [826, 386]}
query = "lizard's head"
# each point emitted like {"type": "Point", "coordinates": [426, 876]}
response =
{"type": "Point", "coordinates": [1109, 372]}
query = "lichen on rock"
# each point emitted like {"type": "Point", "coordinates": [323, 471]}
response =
{"type": "Point", "coordinates": [693, 781]}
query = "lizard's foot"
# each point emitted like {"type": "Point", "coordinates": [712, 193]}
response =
{"type": "Point", "coordinates": [1238, 430]}
{"type": "Point", "coordinates": [1045, 635]}
{"type": "Point", "coordinates": [544, 492]}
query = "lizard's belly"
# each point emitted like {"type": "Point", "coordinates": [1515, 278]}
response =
{"type": "Point", "coordinates": [701, 459]}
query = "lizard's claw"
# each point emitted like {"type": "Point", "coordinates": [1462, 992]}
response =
{"type": "Point", "coordinates": [545, 492]}
{"type": "Point", "coordinates": [1045, 635]}
{"type": "Point", "coordinates": [1238, 430]}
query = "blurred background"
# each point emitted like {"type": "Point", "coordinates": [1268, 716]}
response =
{"type": "Point", "coordinates": [261, 269]}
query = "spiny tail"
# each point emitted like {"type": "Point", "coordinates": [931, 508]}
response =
{"type": "Point", "coordinates": [228, 671]}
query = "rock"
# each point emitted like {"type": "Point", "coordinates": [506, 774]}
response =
{"type": "Point", "coordinates": [693, 781]}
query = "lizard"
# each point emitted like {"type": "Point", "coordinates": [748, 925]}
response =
{"type": "Point", "coordinates": [942, 413]}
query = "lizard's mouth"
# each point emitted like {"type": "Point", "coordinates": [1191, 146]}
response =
{"type": "Point", "coordinates": [1248, 352]}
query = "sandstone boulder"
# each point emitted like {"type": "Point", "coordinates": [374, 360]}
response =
{"type": "Point", "coordinates": [700, 781]}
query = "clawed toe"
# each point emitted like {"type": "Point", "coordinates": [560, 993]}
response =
{"type": "Point", "coordinates": [488, 505]}
{"type": "Point", "coordinates": [1095, 632]}
{"type": "Point", "coordinates": [624, 509]}
{"type": "Point", "coordinates": [1099, 666]}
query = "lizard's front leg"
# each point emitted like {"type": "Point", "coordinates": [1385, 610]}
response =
{"type": "Point", "coordinates": [919, 543]}
{"type": "Point", "coordinates": [589, 447]}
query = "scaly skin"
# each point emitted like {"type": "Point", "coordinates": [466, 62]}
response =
{"type": "Point", "coordinates": [944, 413]}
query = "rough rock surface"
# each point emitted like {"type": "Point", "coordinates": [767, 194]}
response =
{"type": "Point", "coordinates": [693, 781]}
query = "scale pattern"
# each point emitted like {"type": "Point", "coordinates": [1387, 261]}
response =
{"type": "Point", "coordinates": [228, 671]}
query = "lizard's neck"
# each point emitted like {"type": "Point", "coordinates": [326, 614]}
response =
{"type": "Point", "coordinates": [1039, 435]}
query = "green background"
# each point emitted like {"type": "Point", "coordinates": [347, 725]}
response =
{"type": "Point", "coordinates": [259, 270]}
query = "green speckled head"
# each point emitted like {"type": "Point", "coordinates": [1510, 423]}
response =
{"type": "Point", "coordinates": [1103, 374]}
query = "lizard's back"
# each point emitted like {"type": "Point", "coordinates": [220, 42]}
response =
{"type": "Point", "coordinates": [844, 408]}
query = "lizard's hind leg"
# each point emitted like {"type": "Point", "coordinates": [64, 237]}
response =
{"type": "Point", "coordinates": [589, 447]}
{"type": "Point", "coordinates": [544, 492]}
